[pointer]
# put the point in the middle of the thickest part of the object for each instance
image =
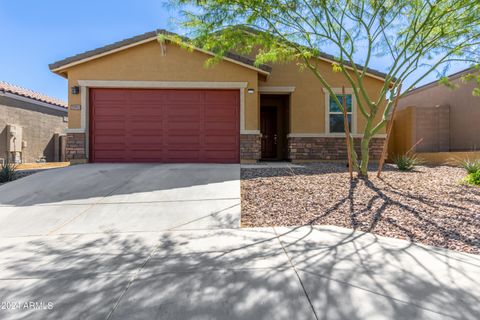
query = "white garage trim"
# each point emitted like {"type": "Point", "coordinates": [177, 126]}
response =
{"type": "Point", "coordinates": [162, 84]}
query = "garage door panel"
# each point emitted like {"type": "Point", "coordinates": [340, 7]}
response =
{"type": "Point", "coordinates": [188, 126]}
{"type": "Point", "coordinates": [183, 113]}
{"type": "Point", "coordinates": [220, 139]}
{"type": "Point", "coordinates": [184, 139]}
{"type": "Point", "coordinates": [156, 125]}
{"type": "Point", "coordinates": [175, 154]}
{"type": "Point", "coordinates": [108, 139]}
{"type": "Point", "coordinates": [109, 95]}
{"type": "Point", "coordinates": [145, 147]}
{"type": "Point", "coordinates": [143, 126]}
{"type": "Point", "coordinates": [110, 155]}
{"type": "Point", "coordinates": [110, 111]}
{"type": "Point", "coordinates": [109, 124]}
{"type": "Point", "coordinates": [147, 156]}
{"type": "Point", "coordinates": [146, 96]}
{"type": "Point", "coordinates": [109, 147]}
{"type": "Point", "coordinates": [219, 113]}
{"type": "Point", "coordinates": [146, 138]}
{"type": "Point", "coordinates": [220, 97]}
{"type": "Point", "coordinates": [225, 126]}
{"type": "Point", "coordinates": [218, 146]}
{"type": "Point", "coordinates": [154, 111]}
{"type": "Point", "coordinates": [182, 96]}
{"type": "Point", "coordinates": [219, 155]}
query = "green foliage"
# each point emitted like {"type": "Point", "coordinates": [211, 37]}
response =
{"type": "Point", "coordinates": [413, 38]}
{"type": "Point", "coordinates": [406, 162]}
{"type": "Point", "coordinates": [471, 166]}
{"type": "Point", "coordinates": [473, 76]}
{"type": "Point", "coordinates": [473, 178]}
{"type": "Point", "coordinates": [446, 82]}
{"type": "Point", "coordinates": [8, 172]}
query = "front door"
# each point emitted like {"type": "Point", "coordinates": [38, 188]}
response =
{"type": "Point", "coordinates": [268, 128]}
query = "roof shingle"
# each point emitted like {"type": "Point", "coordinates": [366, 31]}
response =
{"type": "Point", "coordinates": [10, 88]}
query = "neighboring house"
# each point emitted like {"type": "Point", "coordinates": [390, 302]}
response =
{"type": "Point", "coordinates": [30, 125]}
{"type": "Point", "coordinates": [145, 100]}
{"type": "Point", "coordinates": [444, 119]}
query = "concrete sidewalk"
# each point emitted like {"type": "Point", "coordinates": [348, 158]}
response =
{"type": "Point", "coordinates": [157, 241]}
{"type": "Point", "coordinates": [270, 273]}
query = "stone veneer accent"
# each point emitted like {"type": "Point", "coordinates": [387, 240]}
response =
{"type": "Point", "coordinates": [299, 149]}
{"type": "Point", "coordinates": [328, 148]}
{"type": "Point", "coordinates": [250, 147]}
{"type": "Point", "coordinates": [76, 147]}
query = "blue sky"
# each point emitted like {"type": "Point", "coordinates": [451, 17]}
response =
{"type": "Point", "coordinates": [35, 33]}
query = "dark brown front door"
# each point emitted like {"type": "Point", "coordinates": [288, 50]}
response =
{"type": "Point", "coordinates": [268, 117]}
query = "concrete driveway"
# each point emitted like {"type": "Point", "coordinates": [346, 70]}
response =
{"type": "Point", "coordinates": [104, 250]}
{"type": "Point", "coordinates": [122, 198]}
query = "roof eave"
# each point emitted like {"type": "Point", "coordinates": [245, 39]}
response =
{"type": "Point", "coordinates": [61, 66]}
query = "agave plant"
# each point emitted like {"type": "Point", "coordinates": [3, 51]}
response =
{"type": "Point", "coordinates": [8, 172]}
{"type": "Point", "coordinates": [406, 162]}
{"type": "Point", "coordinates": [471, 166]}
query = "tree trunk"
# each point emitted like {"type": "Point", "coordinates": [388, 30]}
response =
{"type": "Point", "coordinates": [364, 147]}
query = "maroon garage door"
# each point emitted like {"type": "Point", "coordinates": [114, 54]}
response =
{"type": "Point", "coordinates": [137, 125]}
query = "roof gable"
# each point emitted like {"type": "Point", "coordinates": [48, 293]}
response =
{"type": "Point", "coordinates": [452, 77]}
{"type": "Point", "coordinates": [140, 39]}
{"type": "Point", "coordinates": [323, 55]}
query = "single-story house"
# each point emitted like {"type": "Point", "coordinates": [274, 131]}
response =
{"type": "Point", "coordinates": [444, 119]}
{"type": "Point", "coordinates": [31, 125]}
{"type": "Point", "coordinates": [145, 100]}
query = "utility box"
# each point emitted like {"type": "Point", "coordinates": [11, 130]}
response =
{"type": "Point", "coordinates": [14, 138]}
{"type": "Point", "coordinates": [14, 142]}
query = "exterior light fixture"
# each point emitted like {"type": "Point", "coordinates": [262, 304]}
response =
{"type": "Point", "coordinates": [75, 90]}
{"type": "Point", "coordinates": [250, 90]}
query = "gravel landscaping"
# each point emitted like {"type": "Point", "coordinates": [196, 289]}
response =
{"type": "Point", "coordinates": [429, 205]}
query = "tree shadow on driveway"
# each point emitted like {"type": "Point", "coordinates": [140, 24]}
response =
{"type": "Point", "coordinates": [88, 183]}
{"type": "Point", "coordinates": [282, 273]}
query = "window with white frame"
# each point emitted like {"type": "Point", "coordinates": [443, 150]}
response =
{"type": "Point", "coordinates": [335, 119]}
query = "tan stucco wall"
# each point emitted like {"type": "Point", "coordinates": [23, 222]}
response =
{"type": "Point", "coordinates": [449, 158]}
{"type": "Point", "coordinates": [308, 99]}
{"type": "Point", "coordinates": [145, 63]}
{"type": "Point", "coordinates": [464, 111]}
{"type": "Point", "coordinates": [403, 133]}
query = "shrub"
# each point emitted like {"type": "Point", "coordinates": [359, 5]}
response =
{"type": "Point", "coordinates": [8, 172]}
{"type": "Point", "coordinates": [474, 178]}
{"type": "Point", "coordinates": [406, 162]}
{"type": "Point", "coordinates": [471, 166]}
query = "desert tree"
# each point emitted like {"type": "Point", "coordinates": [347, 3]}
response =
{"type": "Point", "coordinates": [414, 38]}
